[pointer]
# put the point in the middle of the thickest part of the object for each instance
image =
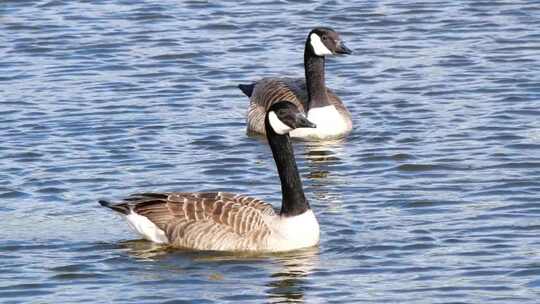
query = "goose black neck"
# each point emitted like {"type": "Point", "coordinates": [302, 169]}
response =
{"type": "Point", "coordinates": [294, 201]}
{"type": "Point", "coordinates": [316, 88]}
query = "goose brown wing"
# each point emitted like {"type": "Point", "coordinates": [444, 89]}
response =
{"type": "Point", "coordinates": [267, 91]}
{"type": "Point", "coordinates": [211, 220]}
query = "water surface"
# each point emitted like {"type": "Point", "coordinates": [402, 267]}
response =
{"type": "Point", "coordinates": [434, 197]}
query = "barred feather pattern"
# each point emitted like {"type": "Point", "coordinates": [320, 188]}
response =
{"type": "Point", "coordinates": [207, 221]}
{"type": "Point", "coordinates": [268, 91]}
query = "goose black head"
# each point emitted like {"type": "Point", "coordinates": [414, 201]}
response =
{"type": "Point", "coordinates": [325, 41]}
{"type": "Point", "coordinates": [284, 116]}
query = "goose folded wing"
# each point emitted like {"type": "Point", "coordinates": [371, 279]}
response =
{"type": "Point", "coordinates": [267, 91]}
{"type": "Point", "coordinates": [191, 219]}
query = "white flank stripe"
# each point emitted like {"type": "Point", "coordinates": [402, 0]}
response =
{"type": "Point", "coordinates": [146, 228]}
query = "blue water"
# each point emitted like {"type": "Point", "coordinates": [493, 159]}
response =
{"type": "Point", "coordinates": [434, 197]}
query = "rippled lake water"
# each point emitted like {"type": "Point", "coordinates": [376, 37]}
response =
{"type": "Point", "coordinates": [434, 198]}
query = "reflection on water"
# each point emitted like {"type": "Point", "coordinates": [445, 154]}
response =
{"type": "Point", "coordinates": [142, 249]}
{"type": "Point", "coordinates": [325, 151]}
{"type": "Point", "coordinates": [321, 156]}
{"type": "Point", "coordinates": [323, 160]}
{"type": "Point", "coordinates": [288, 285]}
{"type": "Point", "coordinates": [288, 275]}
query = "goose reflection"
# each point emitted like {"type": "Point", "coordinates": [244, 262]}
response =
{"type": "Point", "coordinates": [144, 250]}
{"type": "Point", "coordinates": [325, 151]}
{"type": "Point", "coordinates": [323, 161]}
{"type": "Point", "coordinates": [289, 284]}
{"type": "Point", "coordinates": [321, 156]}
{"type": "Point", "coordinates": [289, 271]}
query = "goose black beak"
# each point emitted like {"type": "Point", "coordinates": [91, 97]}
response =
{"type": "Point", "coordinates": [343, 49]}
{"type": "Point", "coordinates": [303, 122]}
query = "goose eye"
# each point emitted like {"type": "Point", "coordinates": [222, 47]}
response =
{"type": "Point", "coordinates": [324, 38]}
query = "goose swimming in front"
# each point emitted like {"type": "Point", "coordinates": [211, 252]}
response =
{"type": "Point", "coordinates": [310, 95]}
{"type": "Point", "coordinates": [231, 222]}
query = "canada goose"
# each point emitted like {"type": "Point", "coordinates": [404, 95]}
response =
{"type": "Point", "coordinates": [231, 222]}
{"type": "Point", "coordinates": [323, 107]}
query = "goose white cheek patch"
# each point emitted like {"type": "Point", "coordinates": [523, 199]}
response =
{"type": "Point", "coordinates": [318, 46]}
{"type": "Point", "coordinates": [276, 124]}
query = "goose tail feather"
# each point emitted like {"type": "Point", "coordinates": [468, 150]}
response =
{"type": "Point", "coordinates": [247, 88]}
{"type": "Point", "coordinates": [121, 208]}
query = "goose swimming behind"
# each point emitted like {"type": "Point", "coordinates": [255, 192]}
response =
{"type": "Point", "coordinates": [232, 222]}
{"type": "Point", "coordinates": [310, 95]}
